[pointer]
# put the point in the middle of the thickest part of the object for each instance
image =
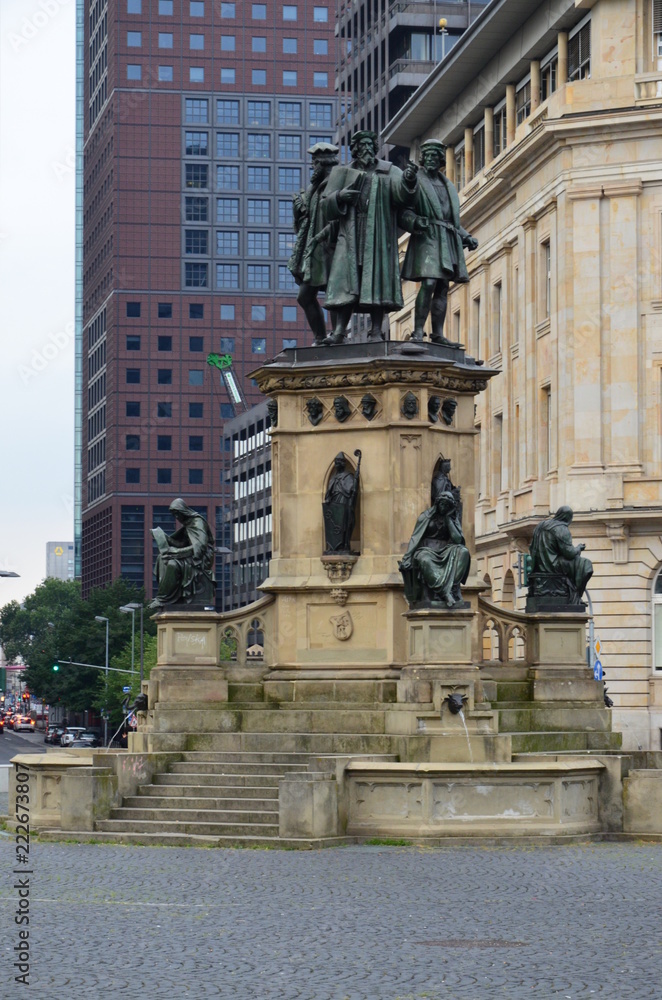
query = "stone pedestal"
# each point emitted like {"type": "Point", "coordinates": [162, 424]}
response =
{"type": "Point", "coordinates": [557, 656]}
{"type": "Point", "coordinates": [187, 670]}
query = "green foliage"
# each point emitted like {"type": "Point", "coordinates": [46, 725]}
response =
{"type": "Point", "coordinates": [116, 682]}
{"type": "Point", "coordinates": [55, 623]}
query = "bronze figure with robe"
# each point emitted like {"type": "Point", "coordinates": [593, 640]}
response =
{"type": "Point", "coordinates": [339, 507]}
{"type": "Point", "coordinates": [557, 568]}
{"type": "Point", "coordinates": [185, 564]}
{"type": "Point", "coordinates": [437, 561]}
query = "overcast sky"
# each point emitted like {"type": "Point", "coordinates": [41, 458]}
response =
{"type": "Point", "coordinates": [37, 143]}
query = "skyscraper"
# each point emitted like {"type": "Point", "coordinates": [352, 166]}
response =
{"type": "Point", "coordinates": [194, 118]}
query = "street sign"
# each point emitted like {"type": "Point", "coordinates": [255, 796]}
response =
{"type": "Point", "coordinates": [597, 646]}
{"type": "Point", "coordinates": [126, 689]}
{"type": "Point", "coordinates": [597, 670]}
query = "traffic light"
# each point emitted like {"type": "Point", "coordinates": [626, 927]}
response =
{"type": "Point", "coordinates": [56, 667]}
{"type": "Point", "coordinates": [25, 696]}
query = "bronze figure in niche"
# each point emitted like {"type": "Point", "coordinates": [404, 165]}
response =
{"type": "Point", "coordinates": [315, 240]}
{"type": "Point", "coordinates": [435, 254]}
{"type": "Point", "coordinates": [339, 507]}
{"type": "Point", "coordinates": [437, 561]}
{"type": "Point", "coordinates": [341, 408]}
{"type": "Point", "coordinates": [314, 410]}
{"type": "Point", "coordinates": [409, 407]}
{"type": "Point", "coordinates": [185, 562]}
{"type": "Point", "coordinates": [558, 572]}
{"type": "Point", "coordinates": [368, 406]}
{"type": "Point", "coordinates": [434, 405]}
{"type": "Point", "coordinates": [448, 408]}
{"type": "Point", "coordinates": [272, 410]}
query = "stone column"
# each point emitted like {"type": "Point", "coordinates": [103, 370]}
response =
{"type": "Point", "coordinates": [468, 153]}
{"type": "Point", "coordinates": [511, 120]}
{"type": "Point", "coordinates": [563, 58]}
{"type": "Point", "coordinates": [450, 163]}
{"type": "Point", "coordinates": [535, 84]}
{"type": "Point", "coordinates": [528, 337]}
{"type": "Point", "coordinates": [489, 135]}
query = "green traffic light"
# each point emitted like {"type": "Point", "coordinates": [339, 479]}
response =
{"type": "Point", "coordinates": [56, 667]}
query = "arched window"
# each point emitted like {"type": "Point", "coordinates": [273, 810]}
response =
{"type": "Point", "coordinates": [657, 622]}
{"type": "Point", "coordinates": [508, 594]}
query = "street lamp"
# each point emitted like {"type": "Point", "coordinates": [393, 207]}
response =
{"type": "Point", "coordinates": [100, 618]}
{"type": "Point", "coordinates": [8, 572]}
{"type": "Point", "coordinates": [444, 35]}
{"type": "Point", "coordinates": [133, 607]}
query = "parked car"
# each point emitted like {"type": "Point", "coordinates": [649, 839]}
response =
{"type": "Point", "coordinates": [23, 722]}
{"type": "Point", "coordinates": [89, 738]}
{"type": "Point", "coordinates": [2, 724]}
{"type": "Point", "coordinates": [51, 731]}
{"type": "Point", "coordinates": [70, 734]}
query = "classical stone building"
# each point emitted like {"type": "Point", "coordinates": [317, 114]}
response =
{"type": "Point", "coordinates": [552, 113]}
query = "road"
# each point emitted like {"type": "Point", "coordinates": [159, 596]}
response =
{"type": "Point", "coordinates": [353, 923]}
{"type": "Point", "coordinates": [12, 743]}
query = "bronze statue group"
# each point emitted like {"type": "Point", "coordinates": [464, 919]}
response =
{"type": "Point", "coordinates": [347, 224]}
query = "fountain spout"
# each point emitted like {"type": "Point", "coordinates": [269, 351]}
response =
{"type": "Point", "coordinates": [456, 702]}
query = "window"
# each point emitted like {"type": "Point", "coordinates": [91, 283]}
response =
{"type": "Point", "coordinates": [196, 42]}
{"type": "Point", "coordinates": [195, 477]}
{"type": "Point", "coordinates": [320, 115]}
{"type": "Point", "coordinates": [579, 53]}
{"type": "Point", "coordinates": [134, 39]}
{"type": "Point", "coordinates": [197, 143]}
{"type": "Point", "coordinates": [227, 75]}
{"type": "Point", "coordinates": [133, 376]}
{"type": "Point", "coordinates": [258, 43]}
{"type": "Point", "coordinates": [259, 11]}
{"type": "Point", "coordinates": [286, 244]}
{"type": "Point", "coordinates": [228, 43]}
{"type": "Point", "coordinates": [258, 147]}
{"type": "Point", "coordinates": [320, 47]}
{"type": "Point", "coordinates": [289, 343]}
{"type": "Point", "coordinates": [196, 241]}
{"type": "Point", "coordinates": [227, 243]}
{"type": "Point", "coordinates": [196, 175]}
{"type": "Point", "coordinates": [196, 74]}
{"type": "Point", "coordinates": [476, 326]}
{"type": "Point", "coordinates": [258, 245]}
{"type": "Point", "coordinates": [197, 8]}
{"type": "Point", "coordinates": [195, 275]}
{"type": "Point", "coordinates": [227, 276]}
{"type": "Point", "coordinates": [227, 210]}
{"type": "Point", "coordinates": [290, 46]}
{"type": "Point", "coordinates": [289, 114]}
{"type": "Point", "coordinates": [258, 210]}
{"type": "Point", "coordinates": [228, 9]}
{"type": "Point", "coordinates": [132, 476]}
{"type": "Point", "coordinates": [320, 79]}
{"type": "Point", "coordinates": [164, 376]}
{"type": "Point", "coordinates": [227, 112]}
{"type": "Point", "coordinates": [163, 442]}
{"type": "Point", "coordinates": [227, 313]}
{"type": "Point", "coordinates": [479, 149]}
{"type": "Point", "coordinates": [320, 138]}
{"type": "Point", "coordinates": [523, 102]}
{"type": "Point", "coordinates": [227, 343]}
{"type": "Point", "coordinates": [289, 147]}
{"type": "Point", "coordinates": [321, 14]}
{"type": "Point", "coordinates": [460, 168]}
{"type": "Point", "coordinates": [258, 345]}
{"type": "Point", "coordinates": [227, 144]}
{"type": "Point", "coordinates": [498, 481]}
{"type": "Point", "coordinates": [289, 78]}
{"type": "Point", "coordinates": [165, 74]}
{"type": "Point", "coordinates": [133, 309]}
{"type": "Point", "coordinates": [227, 411]}
{"type": "Point", "coordinates": [164, 476]}
{"type": "Point", "coordinates": [259, 113]}
{"type": "Point", "coordinates": [134, 6]}
{"type": "Point", "coordinates": [284, 213]}
{"type": "Point", "coordinates": [133, 442]}
{"type": "Point", "coordinates": [289, 12]}
{"type": "Point", "coordinates": [258, 178]}
{"type": "Point", "coordinates": [195, 376]}
{"type": "Point", "coordinates": [133, 342]}
{"type": "Point", "coordinates": [546, 262]}
{"type": "Point", "coordinates": [164, 409]}
{"type": "Point", "coordinates": [496, 317]}
{"type": "Point", "coordinates": [500, 130]}
{"type": "Point", "coordinates": [132, 409]}
{"type": "Point", "coordinates": [196, 209]}
{"type": "Point", "coordinates": [195, 442]}
{"type": "Point", "coordinates": [196, 110]}
{"type": "Point", "coordinates": [258, 275]}
{"type": "Point", "coordinates": [165, 39]}
{"type": "Point", "coordinates": [134, 72]}
{"type": "Point", "coordinates": [164, 343]}
{"type": "Point", "coordinates": [286, 280]}
{"type": "Point", "coordinates": [196, 310]}
{"type": "Point", "coordinates": [289, 178]}
{"type": "Point", "coordinates": [259, 77]}
{"type": "Point", "coordinates": [289, 314]}
{"type": "Point", "coordinates": [195, 410]}
{"type": "Point", "coordinates": [227, 178]}
{"type": "Point", "coordinates": [549, 78]}
{"type": "Point", "coordinates": [165, 8]}
{"type": "Point", "coordinates": [258, 314]}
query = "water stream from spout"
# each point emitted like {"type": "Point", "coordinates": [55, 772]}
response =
{"type": "Point", "coordinates": [471, 756]}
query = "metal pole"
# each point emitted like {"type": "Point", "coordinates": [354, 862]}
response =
{"type": "Point", "coordinates": [105, 711]}
{"type": "Point", "coordinates": [133, 639]}
{"type": "Point", "coordinates": [142, 648]}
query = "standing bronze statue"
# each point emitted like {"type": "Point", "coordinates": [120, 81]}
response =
{"type": "Point", "coordinates": [185, 563]}
{"type": "Point", "coordinates": [364, 197]}
{"type": "Point", "coordinates": [435, 254]}
{"type": "Point", "coordinates": [558, 572]}
{"type": "Point", "coordinates": [315, 241]}
{"type": "Point", "coordinates": [339, 507]}
{"type": "Point", "coordinates": [437, 561]}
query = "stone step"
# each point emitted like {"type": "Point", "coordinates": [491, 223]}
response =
{"type": "Point", "coordinates": [330, 721]}
{"type": "Point", "coordinates": [234, 816]}
{"type": "Point", "coordinates": [247, 757]}
{"type": "Point", "coordinates": [160, 839]}
{"type": "Point", "coordinates": [512, 691]}
{"type": "Point", "coordinates": [292, 742]}
{"type": "Point", "coordinates": [180, 780]}
{"type": "Point", "coordinates": [164, 791]}
{"type": "Point", "coordinates": [234, 767]}
{"type": "Point", "coordinates": [159, 828]}
{"type": "Point", "coordinates": [256, 803]}
{"type": "Point", "coordinates": [553, 742]}
{"type": "Point", "coordinates": [532, 719]}
{"type": "Point", "coordinates": [245, 692]}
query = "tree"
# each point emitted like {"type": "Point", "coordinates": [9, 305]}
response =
{"type": "Point", "coordinates": [56, 624]}
{"type": "Point", "coordinates": [115, 698]}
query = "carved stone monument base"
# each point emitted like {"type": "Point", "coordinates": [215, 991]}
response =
{"type": "Point", "coordinates": [557, 654]}
{"type": "Point", "coordinates": [187, 669]}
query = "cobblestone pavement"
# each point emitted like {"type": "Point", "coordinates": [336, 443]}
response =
{"type": "Point", "coordinates": [353, 923]}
